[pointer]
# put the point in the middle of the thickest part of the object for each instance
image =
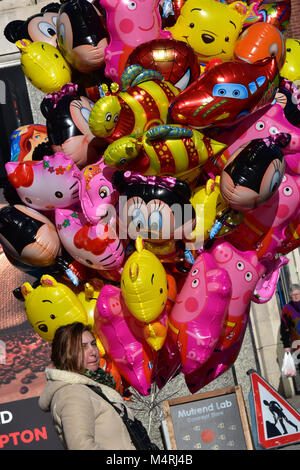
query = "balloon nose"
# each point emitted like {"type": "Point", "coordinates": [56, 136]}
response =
{"type": "Point", "coordinates": [207, 38]}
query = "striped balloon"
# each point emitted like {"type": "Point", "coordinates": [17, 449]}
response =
{"type": "Point", "coordinates": [132, 112]}
{"type": "Point", "coordinates": [165, 156]}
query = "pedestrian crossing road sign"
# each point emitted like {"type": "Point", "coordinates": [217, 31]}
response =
{"type": "Point", "coordinates": [275, 422]}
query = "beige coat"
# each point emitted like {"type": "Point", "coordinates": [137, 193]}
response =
{"type": "Point", "coordinates": [82, 419]}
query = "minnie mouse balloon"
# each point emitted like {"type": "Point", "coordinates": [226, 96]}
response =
{"type": "Point", "coordinates": [251, 176]}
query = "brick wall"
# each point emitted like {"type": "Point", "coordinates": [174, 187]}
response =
{"type": "Point", "coordinates": [293, 30]}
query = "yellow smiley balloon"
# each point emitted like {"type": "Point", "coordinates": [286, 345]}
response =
{"type": "Point", "coordinates": [291, 66]}
{"type": "Point", "coordinates": [51, 305]}
{"type": "Point", "coordinates": [43, 65]}
{"type": "Point", "coordinates": [104, 116]}
{"type": "Point", "coordinates": [144, 284]}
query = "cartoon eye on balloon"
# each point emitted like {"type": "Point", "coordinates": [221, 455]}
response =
{"type": "Point", "coordinates": [38, 27]}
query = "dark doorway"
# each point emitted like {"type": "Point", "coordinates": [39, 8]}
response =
{"type": "Point", "coordinates": [15, 110]}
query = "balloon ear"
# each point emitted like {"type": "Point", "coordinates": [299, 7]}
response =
{"type": "Point", "coordinates": [240, 7]}
{"type": "Point", "coordinates": [46, 107]}
{"type": "Point", "coordinates": [209, 187]}
{"type": "Point", "coordinates": [52, 7]}
{"type": "Point", "coordinates": [48, 281]}
{"type": "Point", "coordinates": [139, 244]}
{"type": "Point", "coordinates": [26, 288]}
{"type": "Point", "coordinates": [23, 44]}
{"type": "Point", "coordinates": [14, 31]}
{"type": "Point", "coordinates": [119, 181]}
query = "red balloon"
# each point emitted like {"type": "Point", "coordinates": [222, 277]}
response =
{"type": "Point", "coordinates": [175, 60]}
{"type": "Point", "coordinates": [226, 93]}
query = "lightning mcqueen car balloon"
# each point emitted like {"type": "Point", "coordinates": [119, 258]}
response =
{"type": "Point", "coordinates": [226, 93]}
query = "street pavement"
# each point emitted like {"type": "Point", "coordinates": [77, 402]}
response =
{"type": "Point", "coordinates": [295, 403]}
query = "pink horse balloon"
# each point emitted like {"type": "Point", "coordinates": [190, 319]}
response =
{"type": "Point", "coordinates": [197, 317]}
{"type": "Point", "coordinates": [244, 271]}
{"type": "Point", "coordinates": [129, 24]}
{"type": "Point", "coordinates": [122, 338]}
{"type": "Point", "coordinates": [96, 192]}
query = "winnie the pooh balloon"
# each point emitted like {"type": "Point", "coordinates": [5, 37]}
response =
{"type": "Point", "coordinates": [51, 305]}
{"type": "Point", "coordinates": [210, 28]}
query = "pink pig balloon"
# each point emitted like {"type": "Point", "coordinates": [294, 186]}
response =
{"type": "Point", "coordinates": [244, 271]}
{"type": "Point", "coordinates": [129, 23]}
{"type": "Point", "coordinates": [95, 246]}
{"type": "Point", "coordinates": [45, 184]}
{"type": "Point", "coordinates": [122, 338]}
{"type": "Point", "coordinates": [197, 317]}
{"type": "Point", "coordinates": [96, 192]}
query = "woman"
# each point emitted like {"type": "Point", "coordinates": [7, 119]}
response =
{"type": "Point", "coordinates": [290, 321]}
{"type": "Point", "coordinates": [83, 419]}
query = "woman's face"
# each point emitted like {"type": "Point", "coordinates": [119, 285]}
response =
{"type": "Point", "coordinates": [295, 295]}
{"type": "Point", "coordinates": [90, 352]}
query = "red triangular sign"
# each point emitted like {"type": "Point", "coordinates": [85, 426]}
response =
{"type": "Point", "coordinates": [278, 423]}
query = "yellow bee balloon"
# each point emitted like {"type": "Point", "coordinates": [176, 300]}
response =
{"type": "Point", "coordinates": [88, 297]}
{"type": "Point", "coordinates": [43, 65]}
{"type": "Point", "coordinates": [144, 284]}
{"type": "Point", "coordinates": [291, 66]}
{"type": "Point", "coordinates": [51, 305]}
